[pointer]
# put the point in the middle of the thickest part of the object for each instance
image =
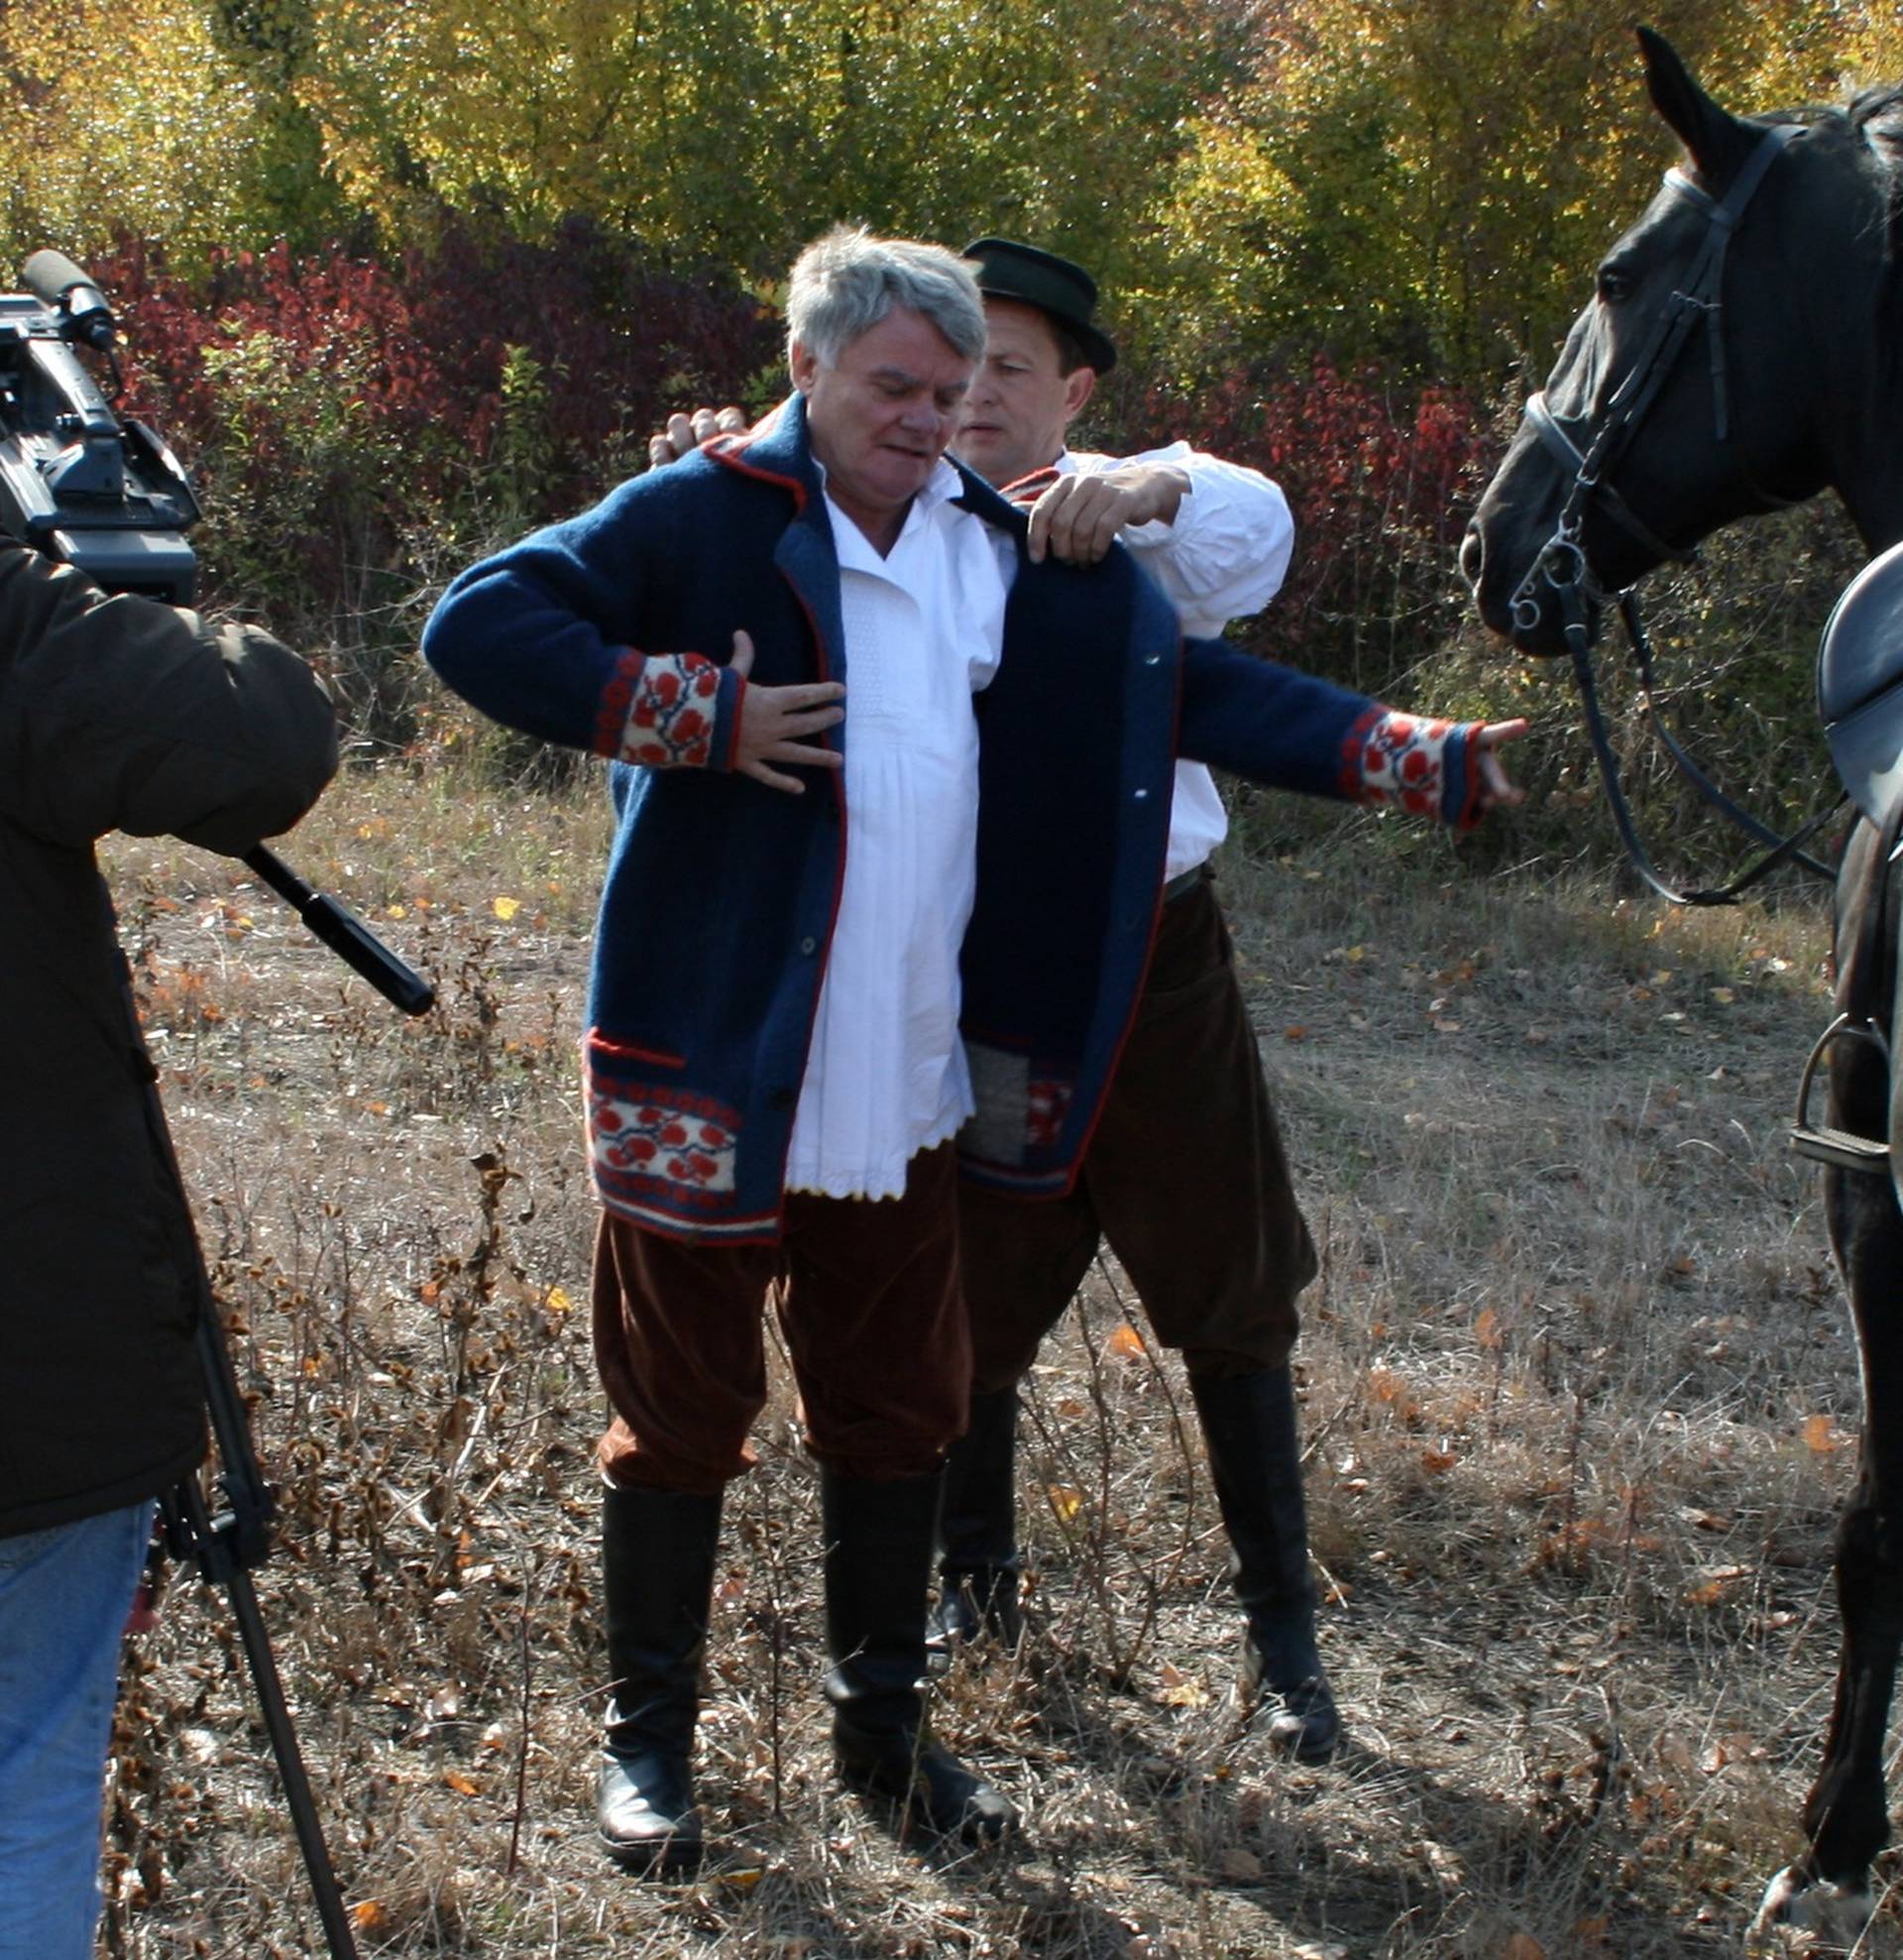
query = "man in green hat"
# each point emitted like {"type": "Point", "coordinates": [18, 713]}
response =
{"type": "Point", "coordinates": [1185, 1176]}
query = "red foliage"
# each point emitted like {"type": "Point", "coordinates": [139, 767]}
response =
{"type": "Point", "coordinates": [418, 348]}
{"type": "Point", "coordinates": [1380, 481]}
{"type": "Point", "coordinates": [1379, 476]}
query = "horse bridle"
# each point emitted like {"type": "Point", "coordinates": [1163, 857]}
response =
{"type": "Point", "coordinates": [1561, 565]}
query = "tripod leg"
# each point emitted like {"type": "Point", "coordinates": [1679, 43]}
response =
{"type": "Point", "coordinates": [291, 1766]}
{"type": "Point", "coordinates": [215, 1546]}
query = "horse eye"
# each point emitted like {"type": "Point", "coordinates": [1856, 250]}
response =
{"type": "Point", "coordinates": [1613, 284]}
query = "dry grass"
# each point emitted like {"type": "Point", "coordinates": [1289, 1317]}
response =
{"type": "Point", "coordinates": [1579, 1397]}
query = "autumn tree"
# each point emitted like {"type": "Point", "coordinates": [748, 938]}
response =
{"type": "Point", "coordinates": [1431, 185]}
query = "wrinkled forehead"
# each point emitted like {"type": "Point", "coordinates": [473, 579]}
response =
{"type": "Point", "coordinates": [903, 341]}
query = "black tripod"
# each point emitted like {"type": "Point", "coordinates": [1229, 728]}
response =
{"type": "Point", "coordinates": [224, 1548]}
{"type": "Point", "coordinates": [227, 1544]}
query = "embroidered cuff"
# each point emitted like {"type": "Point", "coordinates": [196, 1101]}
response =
{"type": "Point", "coordinates": [1415, 762]}
{"type": "Point", "coordinates": [669, 711]}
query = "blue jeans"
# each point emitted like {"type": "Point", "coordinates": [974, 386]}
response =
{"type": "Point", "coordinates": [63, 1598]}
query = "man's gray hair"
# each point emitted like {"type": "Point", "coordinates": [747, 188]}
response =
{"type": "Point", "coordinates": [849, 281]}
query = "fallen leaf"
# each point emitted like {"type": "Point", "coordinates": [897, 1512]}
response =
{"type": "Point", "coordinates": [1181, 1690]}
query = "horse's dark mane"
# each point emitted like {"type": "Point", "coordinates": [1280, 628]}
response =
{"type": "Point", "coordinates": [1876, 118]}
{"type": "Point", "coordinates": [1872, 120]}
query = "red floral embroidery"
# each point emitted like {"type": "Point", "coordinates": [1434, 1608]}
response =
{"type": "Point", "coordinates": [1392, 758]}
{"type": "Point", "coordinates": [648, 1139]}
{"type": "Point", "coordinates": [659, 708]}
{"type": "Point", "coordinates": [1046, 1105]}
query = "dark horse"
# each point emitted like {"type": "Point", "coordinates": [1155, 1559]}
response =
{"type": "Point", "coordinates": [1744, 350]}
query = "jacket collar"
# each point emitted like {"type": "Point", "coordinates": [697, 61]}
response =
{"type": "Point", "coordinates": [805, 554]}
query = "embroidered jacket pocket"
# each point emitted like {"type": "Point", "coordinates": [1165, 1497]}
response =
{"type": "Point", "coordinates": [649, 1136]}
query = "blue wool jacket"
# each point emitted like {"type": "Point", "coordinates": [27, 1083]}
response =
{"type": "Point", "coordinates": [611, 633]}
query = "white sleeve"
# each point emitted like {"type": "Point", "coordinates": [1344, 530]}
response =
{"type": "Point", "coordinates": [1225, 555]}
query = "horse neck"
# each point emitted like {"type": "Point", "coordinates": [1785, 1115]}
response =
{"type": "Point", "coordinates": [1853, 346]}
{"type": "Point", "coordinates": [1871, 481]}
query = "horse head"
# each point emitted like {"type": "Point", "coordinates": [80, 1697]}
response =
{"type": "Point", "coordinates": [1739, 354]}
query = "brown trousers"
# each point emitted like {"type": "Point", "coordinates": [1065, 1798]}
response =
{"type": "Point", "coordinates": [866, 1294]}
{"type": "Point", "coordinates": [1184, 1176]}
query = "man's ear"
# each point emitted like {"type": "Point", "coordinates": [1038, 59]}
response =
{"type": "Point", "coordinates": [1079, 387]}
{"type": "Point", "coordinates": [802, 365]}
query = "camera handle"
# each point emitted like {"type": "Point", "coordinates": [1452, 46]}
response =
{"type": "Point", "coordinates": [344, 934]}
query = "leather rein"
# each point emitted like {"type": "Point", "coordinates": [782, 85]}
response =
{"type": "Point", "coordinates": [1561, 572]}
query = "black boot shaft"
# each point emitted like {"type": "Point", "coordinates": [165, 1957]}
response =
{"type": "Point", "coordinates": [977, 1516]}
{"type": "Point", "coordinates": [1255, 1463]}
{"type": "Point", "coordinates": [658, 1549]}
{"type": "Point", "coordinates": [878, 1561]}
{"type": "Point", "coordinates": [657, 1567]}
{"type": "Point", "coordinates": [879, 1567]}
{"type": "Point", "coordinates": [978, 1533]}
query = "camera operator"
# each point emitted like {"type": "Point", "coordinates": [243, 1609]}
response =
{"type": "Point", "coordinates": [115, 714]}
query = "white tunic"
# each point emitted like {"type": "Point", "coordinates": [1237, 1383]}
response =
{"type": "Point", "coordinates": [1223, 558]}
{"type": "Point", "coordinates": [886, 1074]}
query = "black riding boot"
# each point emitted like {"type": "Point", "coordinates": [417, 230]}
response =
{"type": "Point", "coordinates": [1255, 1461]}
{"type": "Point", "coordinates": [878, 1561]}
{"type": "Point", "coordinates": [978, 1532]}
{"type": "Point", "coordinates": [657, 1563]}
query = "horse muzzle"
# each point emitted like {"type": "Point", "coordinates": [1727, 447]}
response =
{"type": "Point", "coordinates": [1555, 594]}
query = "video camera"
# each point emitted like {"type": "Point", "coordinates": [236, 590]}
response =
{"type": "Point", "coordinates": [78, 482]}
{"type": "Point", "coordinates": [90, 488]}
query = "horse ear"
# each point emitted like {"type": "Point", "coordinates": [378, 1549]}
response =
{"type": "Point", "coordinates": [1716, 139]}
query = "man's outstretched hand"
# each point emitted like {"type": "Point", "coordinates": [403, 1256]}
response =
{"type": "Point", "coordinates": [1497, 790]}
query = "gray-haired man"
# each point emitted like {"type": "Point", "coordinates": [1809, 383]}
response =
{"type": "Point", "coordinates": [786, 1035]}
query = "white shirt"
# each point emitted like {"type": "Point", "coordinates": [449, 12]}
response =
{"type": "Point", "coordinates": [886, 1074]}
{"type": "Point", "coordinates": [1223, 558]}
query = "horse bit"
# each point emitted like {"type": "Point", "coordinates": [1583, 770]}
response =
{"type": "Point", "coordinates": [1561, 565]}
